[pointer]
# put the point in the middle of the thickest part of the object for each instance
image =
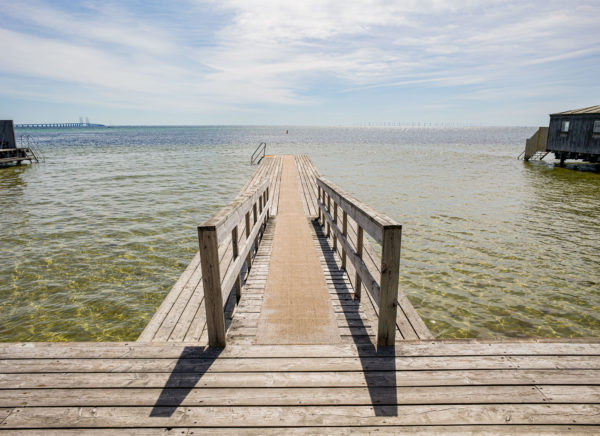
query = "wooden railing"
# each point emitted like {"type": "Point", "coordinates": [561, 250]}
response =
{"type": "Point", "coordinates": [253, 210]}
{"type": "Point", "coordinates": [383, 230]}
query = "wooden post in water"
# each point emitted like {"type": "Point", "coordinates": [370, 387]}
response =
{"type": "Point", "coordinates": [211, 280]}
{"type": "Point", "coordinates": [359, 250]}
{"type": "Point", "coordinates": [388, 299]}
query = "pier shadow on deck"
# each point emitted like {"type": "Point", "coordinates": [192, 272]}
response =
{"type": "Point", "coordinates": [381, 382]}
{"type": "Point", "coordinates": [192, 364]}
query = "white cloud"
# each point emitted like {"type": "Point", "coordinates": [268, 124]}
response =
{"type": "Point", "coordinates": [286, 53]}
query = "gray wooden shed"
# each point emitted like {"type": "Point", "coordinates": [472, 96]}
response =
{"type": "Point", "coordinates": [9, 152]}
{"type": "Point", "coordinates": [575, 134]}
{"type": "Point", "coordinates": [7, 134]}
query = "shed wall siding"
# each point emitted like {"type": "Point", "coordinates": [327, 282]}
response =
{"type": "Point", "coordinates": [579, 139]}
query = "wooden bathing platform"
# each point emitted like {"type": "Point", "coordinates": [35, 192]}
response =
{"type": "Point", "coordinates": [290, 321]}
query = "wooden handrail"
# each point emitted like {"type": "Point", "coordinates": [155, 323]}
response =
{"type": "Point", "coordinates": [210, 235]}
{"type": "Point", "coordinates": [369, 219]}
{"type": "Point", "coordinates": [229, 216]}
{"type": "Point", "coordinates": [382, 229]}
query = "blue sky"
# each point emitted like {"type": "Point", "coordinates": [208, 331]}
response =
{"type": "Point", "coordinates": [309, 62]}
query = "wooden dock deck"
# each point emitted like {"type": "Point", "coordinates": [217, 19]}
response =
{"type": "Point", "coordinates": [377, 368]}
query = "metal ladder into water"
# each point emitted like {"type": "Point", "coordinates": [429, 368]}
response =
{"type": "Point", "coordinates": [28, 145]}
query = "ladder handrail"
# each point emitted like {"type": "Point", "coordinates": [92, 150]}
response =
{"type": "Point", "coordinates": [256, 155]}
{"type": "Point", "coordinates": [27, 141]}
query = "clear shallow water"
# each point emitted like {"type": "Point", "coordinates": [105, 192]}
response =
{"type": "Point", "coordinates": [93, 239]}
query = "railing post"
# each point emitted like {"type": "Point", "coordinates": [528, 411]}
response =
{"type": "Point", "coordinates": [264, 197]}
{"type": "Point", "coordinates": [267, 199]}
{"type": "Point", "coordinates": [235, 248]}
{"type": "Point", "coordinates": [260, 209]}
{"type": "Point", "coordinates": [335, 220]}
{"type": "Point", "coordinates": [328, 210]}
{"type": "Point", "coordinates": [345, 233]}
{"type": "Point", "coordinates": [319, 200]}
{"type": "Point", "coordinates": [211, 280]}
{"type": "Point", "coordinates": [255, 216]}
{"type": "Point", "coordinates": [249, 257]}
{"type": "Point", "coordinates": [359, 250]}
{"type": "Point", "coordinates": [388, 299]}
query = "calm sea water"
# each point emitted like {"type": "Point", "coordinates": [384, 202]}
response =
{"type": "Point", "coordinates": [93, 239]}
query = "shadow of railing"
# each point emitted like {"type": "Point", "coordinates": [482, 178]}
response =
{"type": "Point", "coordinates": [192, 364]}
{"type": "Point", "coordinates": [378, 364]}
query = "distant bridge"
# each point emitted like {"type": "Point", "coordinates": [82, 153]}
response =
{"type": "Point", "coordinates": [56, 125]}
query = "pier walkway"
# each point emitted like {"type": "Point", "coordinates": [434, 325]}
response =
{"type": "Point", "coordinates": [316, 338]}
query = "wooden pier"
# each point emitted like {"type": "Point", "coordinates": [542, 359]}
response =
{"type": "Point", "coordinates": [289, 320]}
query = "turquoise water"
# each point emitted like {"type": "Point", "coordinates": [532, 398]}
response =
{"type": "Point", "coordinates": [94, 238]}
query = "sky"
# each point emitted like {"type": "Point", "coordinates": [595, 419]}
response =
{"type": "Point", "coordinates": [302, 62]}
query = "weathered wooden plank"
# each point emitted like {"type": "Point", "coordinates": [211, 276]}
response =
{"type": "Point", "coordinates": [302, 185]}
{"type": "Point", "coordinates": [276, 185]}
{"type": "Point", "coordinates": [259, 173]}
{"type": "Point", "coordinates": [4, 413]}
{"type": "Point", "coordinates": [154, 324]}
{"type": "Point", "coordinates": [449, 347]}
{"type": "Point", "coordinates": [481, 430]}
{"type": "Point", "coordinates": [464, 377]}
{"type": "Point", "coordinates": [197, 326]}
{"type": "Point", "coordinates": [227, 416]}
{"type": "Point", "coordinates": [190, 313]}
{"type": "Point", "coordinates": [306, 184]}
{"type": "Point", "coordinates": [299, 364]}
{"type": "Point", "coordinates": [298, 396]}
{"type": "Point", "coordinates": [171, 318]}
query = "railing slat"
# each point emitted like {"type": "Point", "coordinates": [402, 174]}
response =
{"type": "Point", "coordinates": [361, 269]}
{"type": "Point", "coordinates": [230, 277]}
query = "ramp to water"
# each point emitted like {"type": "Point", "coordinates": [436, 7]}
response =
{"type": "Point", "coordinates": [297, 308]}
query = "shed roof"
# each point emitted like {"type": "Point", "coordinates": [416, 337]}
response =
{"type": "Point", "coordinates": [584, 111]}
